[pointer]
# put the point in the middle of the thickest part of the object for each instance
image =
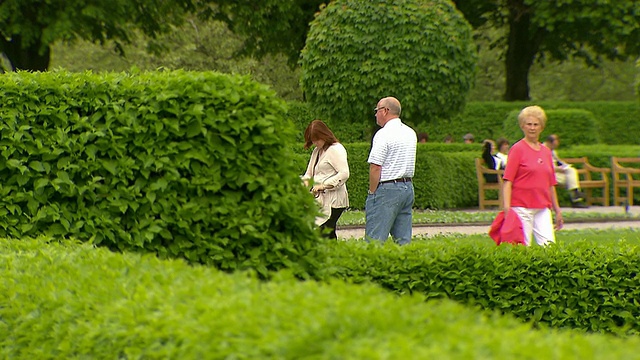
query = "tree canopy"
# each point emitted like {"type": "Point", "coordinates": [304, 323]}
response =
{"type": "Point", "coordinates": [534, 30]}
{"type": "Point", "coordinates": [420, 51]}
{"type": "Point", "coordinates": [559, 30]}
{"type": "Point", "coordinates": [29, 27]}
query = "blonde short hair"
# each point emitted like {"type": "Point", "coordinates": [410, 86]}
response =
{"type": "Point", "coordinates": [535, 111]}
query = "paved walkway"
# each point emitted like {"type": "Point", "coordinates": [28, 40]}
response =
{"type": "Point", "coordinates": [472, 229]}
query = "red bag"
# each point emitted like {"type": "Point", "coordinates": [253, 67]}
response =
{"type": "Point", "coordinates": [507, 229]}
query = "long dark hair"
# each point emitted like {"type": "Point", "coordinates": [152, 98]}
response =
{"type": "Point", "coordinates": [318, 130]}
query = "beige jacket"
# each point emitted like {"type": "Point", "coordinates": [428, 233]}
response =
{"type": "Point", "coordinates": [331, 168]}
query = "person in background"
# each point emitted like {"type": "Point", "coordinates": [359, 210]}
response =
{"type": "Point", "coordinates": [566, 174]}
{"type": "Point", "coordinates": [328, 168]}
{"type": "Point", "coordinates": [529, 180]}
{"type": "Point", "coordinates": [491, 161]}
{"type": "Point", "coordinates": [448, 139]}
{"type": "Point", "coordinates": [503, 150]}
{"type": "Point", "coordinates": [468, 138]}
{"type": "Point", "coordinates": [423, 137]}
{"type": "Point", "coordinates": [392, 162]}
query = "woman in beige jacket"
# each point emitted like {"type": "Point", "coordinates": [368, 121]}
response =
{"type": "Point", "coordinates": [329, 170]}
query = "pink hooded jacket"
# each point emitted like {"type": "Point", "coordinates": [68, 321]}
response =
{"type": "Point", "coordinates": [507, 229]}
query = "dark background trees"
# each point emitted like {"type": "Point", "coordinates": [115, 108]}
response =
{"type": "Point", "coordinates": [556, 30]}
{"type": "Point", "coordinates": [30, 27]}
{"type": "Point", "coordinates": [530, 33]}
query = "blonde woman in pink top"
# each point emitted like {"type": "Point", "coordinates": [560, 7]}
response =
{"type": "Point", "coordinates": [529, 180]}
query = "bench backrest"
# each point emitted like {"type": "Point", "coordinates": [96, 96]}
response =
{"type": "Point", "coordinates": [482, 169]}
{"type": "Point", "coordinates": [586, 170]}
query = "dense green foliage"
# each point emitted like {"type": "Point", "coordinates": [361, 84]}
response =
{"type": "Point", "coordinates": [442, 179]}
{"type": "Point", "coordinates": [447, 179]}
{"type": "Point", "coordinates": [30, 27]}
{"type": "Point", "coordinates": [585, 284]}
{"type": "Point", "coordinates": [204, 46]}
{"type": "Point", "coordinates": [192, 165]}
{"type": "Point", "coordinates": [357, 52]}
{"type": "Point", "coordinates": [64, 302]}
{"type": "Point", "coordinates": [638, 78]}
{"type": "Point", "coordinates": [615, 122]}
{"type": "Point", "coordinates": [538, 30]}
{"type": "Point", "coordinates": [197, 45]}
{"type": "Point", "coordinates": [572, 126]}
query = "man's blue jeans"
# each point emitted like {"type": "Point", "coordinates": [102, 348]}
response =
{"type": "Point", "coordinates": [388, 211]}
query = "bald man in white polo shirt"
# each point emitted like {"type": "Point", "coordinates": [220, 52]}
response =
{"type": "Point", "coordinates": [392, 163]}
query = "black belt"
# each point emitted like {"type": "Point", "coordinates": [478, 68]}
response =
{"type": "Point", "coordinates": [396, 180]}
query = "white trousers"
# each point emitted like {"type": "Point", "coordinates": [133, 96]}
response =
{"type": "Point", "coordinates": [568, 177]}
{"type": "Point", "coordinates": [538, 221]}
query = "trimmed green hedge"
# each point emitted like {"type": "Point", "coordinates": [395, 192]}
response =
{"type": "Point", "coordinates": [181, 164]}
{"type": "Point", "coordinates": [573, 126]}
{"type": "Point", "coordinates": [447, 180]}
{"type": "Point", "coordinates": [617, 121]}
{"type": "Point", "coordinates": [68, 302]}
{"type": "Point", "coordinates": [301, 114]}
{"type": "Point", "coordinates": [585, 284]}
{"type": "Point", "coordinates": [442, 180]}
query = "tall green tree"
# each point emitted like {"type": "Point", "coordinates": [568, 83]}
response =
{"type": "Point", "coordinates": [271, 26]}
{"type": "Point", "coordinates": [558, 30]}
{"type": "Point", "coordinates": [28, 28]}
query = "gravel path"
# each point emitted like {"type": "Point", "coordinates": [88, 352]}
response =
{"type": "Point", "coordinates": [484, 229]}
{"type": "Point", "coordinates": [473, 229]}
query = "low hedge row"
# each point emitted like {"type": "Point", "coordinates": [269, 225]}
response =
{"type": "Point", "coordinates": [447, 179]}
{"type": "Point", "coordinates": [74, 301]}
{"type": "Point", "coordinates": [441, 179]}
{"type": "Point", "coordinates": [615, 121]}
{"type": "Point", "coordinates": [181, 164]}
{"type": "Point", "coordinates": [584, 284]}
{"type": "Point", "coordinates": [572, 126]}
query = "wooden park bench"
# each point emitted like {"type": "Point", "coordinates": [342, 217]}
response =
{"type": "Point", "coordinates": [588, 182]}
{"type": "Point", "coordinates": [623, 177]}
{"type": "Point", "coordinates": [484, 186]}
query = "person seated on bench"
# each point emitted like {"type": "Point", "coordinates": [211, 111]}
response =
{"type": "Point", "coordinates": [566, 174]}
{"type": "Point", "coordinates": [490, 159]}
{"type": "Point", "coordinates": [503, 150]}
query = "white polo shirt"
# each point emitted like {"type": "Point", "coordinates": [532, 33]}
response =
{"type": "Point", "coordinates": [394, 148]}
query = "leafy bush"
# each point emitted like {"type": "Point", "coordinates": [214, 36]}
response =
{"type": "Point", "coordinates": [573, 126]}
{"type": "Point", "coordinates": [65, 302]}
{"type": "Point", "coordinates": [615, 122]}
{"type": "Point", "coordinates": [585, 284]}
{"type": "Point", "coordinates": [447, 179]}
{"type": "Point", "coordinates": [441, 180]}
{"type": "Point", "coordinates": [357, 52]}
{"type": "Point", "coordinates": [182, 164]}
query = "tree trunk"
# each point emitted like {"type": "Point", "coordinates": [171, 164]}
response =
{"type": "Point", "coordinates": [28, 58]}
{"type": "Point", "coordinates": [523, 45]}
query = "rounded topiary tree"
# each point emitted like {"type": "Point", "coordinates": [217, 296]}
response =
{"type": "Point", "coordinates": [420, 51]}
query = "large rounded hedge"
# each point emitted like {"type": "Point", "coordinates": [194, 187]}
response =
{"type": "Point", "coordinates": [358, 51]}
{"type": "Point", "coordinates": [193, 165]}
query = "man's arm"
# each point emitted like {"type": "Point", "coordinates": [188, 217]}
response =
{"type": "Point", "coordinates": [374, 177]}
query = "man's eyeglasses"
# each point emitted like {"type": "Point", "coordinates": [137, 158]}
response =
{"type": "Point", "coordinates": [375, 110]}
